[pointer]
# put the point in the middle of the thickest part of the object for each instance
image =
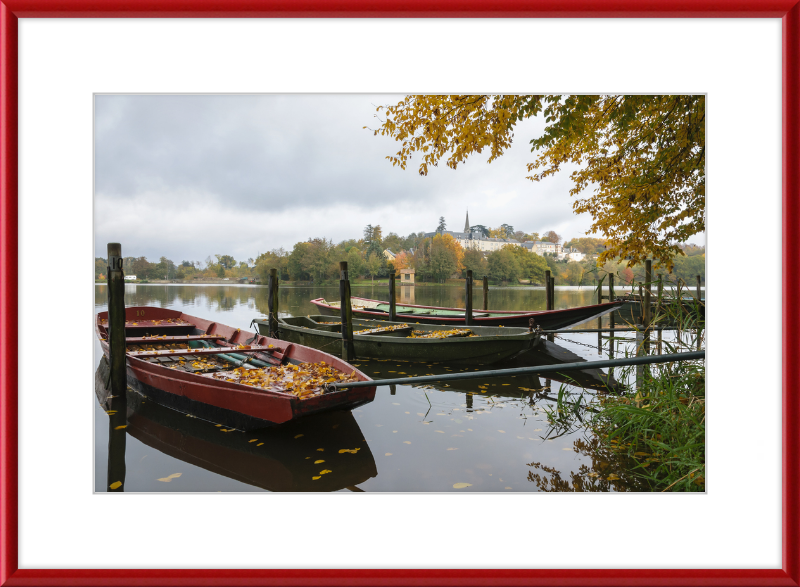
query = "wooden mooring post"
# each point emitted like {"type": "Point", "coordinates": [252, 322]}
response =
{"type": "Point", "coordinates": [548, 299]}
{"type": "Point", "coordinates": [599, 283]}
{"type": "Point", "coordinates": [485, 292]}
{"type": "Point", "coordinates": [116, 320]}
{"type": "Point", "coordinates": [348, 350]}
{"type": "Point", "coordinates": [468, 310]}
{"type": "Point", "coordinates": [647, 317]}
{"type": "Point", "coordinates": [272, 303]}
{"type": "Point", "coordinates": [392, 301]}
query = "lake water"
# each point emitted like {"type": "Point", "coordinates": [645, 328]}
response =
{"type": "Point", "coordinates": [492, 434]}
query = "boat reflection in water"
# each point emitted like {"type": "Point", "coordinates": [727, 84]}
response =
{"type": "Point", "coordinates": [279, 458]}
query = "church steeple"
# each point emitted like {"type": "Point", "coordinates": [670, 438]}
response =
{"type": "Point", "coordinates": [466, 224]}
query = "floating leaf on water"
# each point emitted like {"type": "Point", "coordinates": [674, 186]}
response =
{"type": "Point", "coordinates": [115, 485]}
{"type": "Point", "coordinates": [613, 477]}
{"type": "Point", "coordinates": [452, 449]}
{"type": "Point", "coordinates": [170, 478]}
{"type": "Point", "coordinates": [406, 442]}
{"type": "Point", "coordinates": [502, 431]}
{"type": "Point", "coordinates": [566, 449]}
{"type": "Point", "coordinates": [388, 454]}
{"type": "Point", "coordinates": [440, 431]}
{"type": "Point", "coordinates": [319, 461]}
{"type": "Point", "coordinates": [461, 485]}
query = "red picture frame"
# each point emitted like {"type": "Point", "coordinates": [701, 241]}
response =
{"type": "Point", "coordinates": [11, 10]}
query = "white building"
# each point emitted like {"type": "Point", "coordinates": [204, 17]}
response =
{"type": "Point", "coordinates": [130, 278]}
{"type": "Point", "coordinates": [542, 247]}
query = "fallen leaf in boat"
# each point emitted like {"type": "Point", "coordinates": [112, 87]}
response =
{"type": "Point", "coordinates": [115, 485]}
{"type": "Point", "coordinates": [325, 471]}
{"type": "Point", "coordinates": [259, 444]}
{"type": "Point", "coordinates": [461, 485]}
{"type": "Point", "coordinates": [120, 427]}
{"type": "Point", "coordinates": [170, 478]}
{"type": "Point", "coordinates": [319, 461]}
{"type": "Point", "coordinates": [298, 436]}
{"type": "Point", "coordinates": [320, 449]}
{"type": "Point", "coordinates": [315, 478]}
{"type": "Point", "coordinates": [350, 450]}
{"type": "Point", "coordinates": [253, 440]}
{"type": "Point", "coordinates": [109, 412]}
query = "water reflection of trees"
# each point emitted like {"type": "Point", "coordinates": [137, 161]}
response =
{"type": "Point", "coordinates": [609, 471]}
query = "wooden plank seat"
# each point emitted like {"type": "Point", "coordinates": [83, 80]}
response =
{"type": "Point", "coordinates": [170, 339]}
{"type": "Point", "coordinates": [196, 352]}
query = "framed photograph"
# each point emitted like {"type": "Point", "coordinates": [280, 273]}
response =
{"type": "Point", "coordinates": [59, 62]}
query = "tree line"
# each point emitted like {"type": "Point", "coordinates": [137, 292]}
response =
{"type": "Point", "coordinates": [434, 259]}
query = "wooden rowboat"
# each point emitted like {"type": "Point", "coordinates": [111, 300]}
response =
{"type": "Point", "coordinates": [229, 376]}
{"type": "Point", "coordinates": [378, 339]}
{"type": "Point", "coordinates": [545, 319]}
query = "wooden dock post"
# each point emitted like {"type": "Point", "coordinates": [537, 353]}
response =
{"type": "Point", "coordinates": [599, 283]}
{"type": "Point", "coordinates": [392, 301]}
{"type": "Point", "coordinates": [116, 321]}
{"type": "Point", "coordinates": [611, 318]}
{"type": "Point", "coordinates": [647, 317]}
{"type": "Point", "coordinates": [272, 303]}
{"type": "Point", "coordinates": [117, 439]}
{"type": "Point", "coordinates": [548, 301]}
{"type": "Point", "coordinates": [468, 310]}
{"type": "Point", "coordinates": [348, 350]}
{"type": "Point", "coordinates": [485, 292]}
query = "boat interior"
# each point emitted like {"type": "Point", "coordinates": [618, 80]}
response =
{"type": "Point", "coordinates": [374, 306]}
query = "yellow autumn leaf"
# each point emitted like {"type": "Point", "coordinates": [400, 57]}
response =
{"type": "Point", "coordinates": [259, 444]}
{"type": "Point", "coordinates": [461, 485]}
{"type": "Point", "coordinates": [319, 461]}
{"type": "Point", "coordinates": [315, 478]}
{"type": "Point", "coordinates": [298, 436]}
{"type": "Point", "coordinates": [325, 471]}
{"type": "Point", "coordinates": [388, 454]}
{"type": "Point", "coordinates": [120, 427]}
{"type": "Point", "coordinates": [170, 478]}
{"type": "Point", "coordinates": [253, 440]}
{"type": "Point", "coordinates": [115, 485]}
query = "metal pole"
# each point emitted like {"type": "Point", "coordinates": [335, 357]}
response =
{"type": "Point", "coordinates": [648, 360]}
{"type": "Point", "coordinates": [648, 277]}
{"type": "Point", "coordinates": [116, 320]}
{"type": "Point", "coordinates": [468, 311]}
{"type": "Point", "coordinates": [348, 350]}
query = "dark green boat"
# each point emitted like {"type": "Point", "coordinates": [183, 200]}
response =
{"type": "Point", "coordinates": [380, 339]}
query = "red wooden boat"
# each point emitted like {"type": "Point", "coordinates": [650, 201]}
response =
{"type": "Point", "coordinates": [205, 380]}
{"type": "Point", "coordinates": [546, 319]}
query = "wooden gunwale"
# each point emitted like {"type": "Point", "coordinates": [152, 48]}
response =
{"type": "Point", "coordinates": [263, 404]}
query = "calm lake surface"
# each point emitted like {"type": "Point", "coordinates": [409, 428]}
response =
{"type": "Point", "coordinates": [492, 434]}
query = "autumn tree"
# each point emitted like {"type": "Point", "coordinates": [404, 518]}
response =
{"type": "Point", "coordinates": [474, 260]}
{"type": "Point", "coordinates": [503, 265]}
{"type": "Point", "coordinates": [226, 261]}
{"type": "Point", "coordinates": [374, 264]}
{"type": "Point", "coordinates": [640, 158]}
{"type": "Point", "coordinates": [446, 256]}
{"type": "Point", "coordinates": [480, 228]}
{"type": "Point", "coordinates": [531, 265]}
{"type": "Point", "coordinates": [552, 236]}
{"type": "Point", "coordinates": [402, 261]}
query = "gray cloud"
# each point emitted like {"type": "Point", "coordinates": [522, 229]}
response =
{"type": "Point", "coordinates": [188, 176]}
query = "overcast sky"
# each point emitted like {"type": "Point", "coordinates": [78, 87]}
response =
{"type": "Point", "coordinates": [190, 176]}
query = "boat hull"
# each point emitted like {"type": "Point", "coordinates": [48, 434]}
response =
{"type": "Point", "coordinates": [546, 320]}
{"type": "Point", "coordinates": [490, 346]}
{"type": "Point", "coordinates": [229, 403]}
